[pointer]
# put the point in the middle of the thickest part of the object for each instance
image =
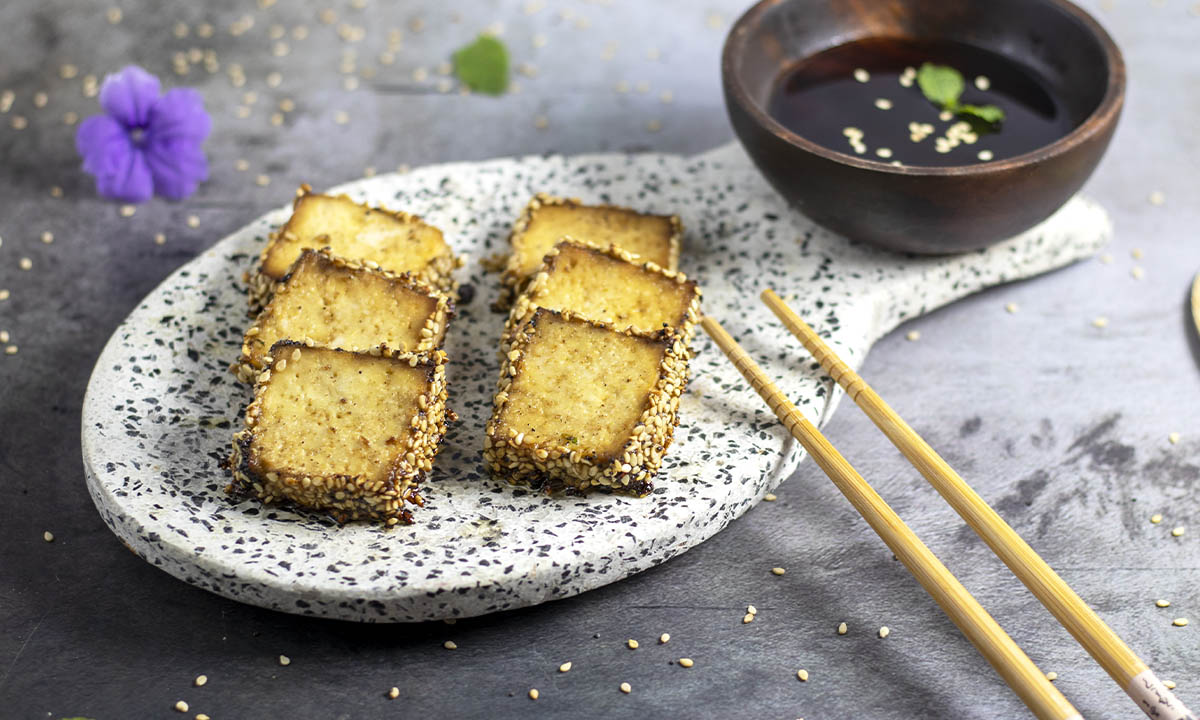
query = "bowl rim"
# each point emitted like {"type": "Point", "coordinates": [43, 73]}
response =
{"type": "Point", "coordinates": [1100, 120]}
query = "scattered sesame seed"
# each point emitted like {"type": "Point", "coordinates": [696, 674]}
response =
{"type": "Point", "coordinates": [540, 40]}
{"type": "Point", "coordinates": [626, 688]}
{"type": "Point", "coordinates": [48, 536]}
{"type": "Point", "coordinates": [350, 83]}
{"type": "Point", "coordinates": [913, 335]}
{"type": "Point", "coordinates": [1106, 259]}
{"type": "Point", "coordinates": [47, 237]}
{"type": "Point", "coordinates": [1156, 518]}
{"type": "Point", "coordinates": [202, 716]}
{"type": "Point", "coordinates": [181, 706]}
{"type": "Point", "coordinates": [56, 191]}
{"type": "Point", "coordinates": [533, 694]}
{"type": "Point", "coordinates": [842, 629]}
{"type": "Point", "coordinates": [622, 87]}
{"type": "Point", "coordinates": [715, 21]}
{"type": "Point", "coordinates": [541, 122]}
{"type": "Point", "coordinates": [262, 181]}
{"type": "Point", "coordinates": [778, 571]}
{"type": "Point", "coordinates": [193, 221]}
{"type": "Point", "coordinates": [369, 171]}
{"type": "Point", "coordinates": [1051, 676]}
{"type": "Point", "coordinates": [128, 210]}
{"type": "Point", "coordinates": [985, 155]}
{"type": "Point", "coordinates": [666, 97]}
{"type": "Point", "coordinates": [25, 263]}
{"type": "Point", "coordinates": [242, 112]}
{"type": "Point", "coordinates": [341, 117]}
{"type": "Point", "coordinates": [883, 152]}
{"type": "Point", "coordinates": [393, 693]}
{"type": "Point", "coordinates": [884, 631]}
{"type": "Point", "coordinates": [770, 497]}
{"type": "Point", "coordinates": [1137, 272]}
{"type": "Point", "coordinates": [1012, 308]}
{"type": "Point", "coordinates": [1169, 684]}
{"type": "Point", "coordinates": [1137, 253]}
{"type": "Point", "coordinates": [747, 618]}
{"type": "Point", "coordinates": [633, 644]}
{"type": "Point", "coordinates": [654, 125]}
{"type": "Point", "coordinates": [751, 609]}
{"type": "Point", "coordinates": [19, 122]}
{"type": "Point", "coordinates": [982, 82]}
{"type": "Point", "coordinates": [3, 336]}
{"type": "Point", "coordinates": [1180, 622]}
{"type": "Point", "coordinates": [1100, 322]}
{"type": "Point", "coordinates": [664, 638]}
{"type": "Point", "coordinates": [450, 645]}
{"type": "Point", "coordinates": [861, 75]}
{"type": "Point", "coordinates": [68, 71]}
{"type": "Point", "coordinates": [200, 681]}
{"type": "Point", "coordinates": [1179, 531]}
{"type": "Point", "coordinates": [686, 662]}
{"type": "Point", "coordinates": [1173, 438]}
{"type": "Point", "coordinates": [70, 118]}
{"type": "Point", "coordinates": [10, 350]}
{"type": "Point", "coordinates": [642, 87]}
{"type": "Point", "coordinates": [113, 15]}
{"type": "Point", "coordinates": [274, 79]}
{"type": "Point", "coordinates": [1163, 603]}
{"type": "Point", "coordinates": [242, 165]}
{"type": "Point", "coordinates": [802, 674]}
{"type": "Point", "coordinates": [40, 99]}
{"type": "Point", "coordinates": [1157, 198]}
{"type": "Point", "coordinates": [4, 294]}
{"type": "Point", "coordinates": [565, 667]}
{"type": "Point", "coordinates": [883, 103]}
{"type": "Point", "coordinates": [285, 660]}
{"type": "Point", "coordinates": [160, 239]}
{"type": "Point", "coordinates": [945, 116]}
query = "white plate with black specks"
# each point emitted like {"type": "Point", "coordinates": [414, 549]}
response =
{"type": "Point", "coordinates": [161, 405]}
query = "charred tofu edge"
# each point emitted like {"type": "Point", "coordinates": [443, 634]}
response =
{"type": "Point", "coordinates": [511, 280]}
{"type": "Point", "coordinates": [553, 465]}
{"type": "Point", "coordinates": [438, 274]}
{"type": "Point", "coordinates": [246, 370]}
{"type": "Point", "coordinates": [528, 301]}
{"type": "Point", "coordinates": [349, 497]}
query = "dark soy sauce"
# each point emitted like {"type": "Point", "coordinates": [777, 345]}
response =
{"type": "Point", "coordinates": [820, 97]}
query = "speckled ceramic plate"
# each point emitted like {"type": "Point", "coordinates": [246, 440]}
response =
{"type": "Point", "coordinates": [161, 405]}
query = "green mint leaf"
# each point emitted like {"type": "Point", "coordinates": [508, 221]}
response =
{"type": "Point", "coordinates": [483, 65]}
{"type": "Point", "coordinates": [988, 113]}
{"type": "Point", "coordinates": [941, 84]}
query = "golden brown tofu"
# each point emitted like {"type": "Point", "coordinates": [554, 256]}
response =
{"type": "Point", "coordinates": [336, 303]}
{"type": "Point", "coordinates": [348, 433]}
{"type": "Point", "coordinates": [610, 286]}
{"type": "Point", "coordinates": [580, 404]}
{"type": "Point", "coordinates": [547, 219]}
{"type": "Point", "coordinates": [394, 241]}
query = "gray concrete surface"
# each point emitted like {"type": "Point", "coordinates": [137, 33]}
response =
{"type": "Point", "coordinates": [1062, 425]}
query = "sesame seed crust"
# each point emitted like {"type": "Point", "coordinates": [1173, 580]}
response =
{"type": "Point", "coordinates": [346, 497]}
{"type": "Point", "coordinates": [554, 464]}
{"type": "Point", "coordinates": [513, 280]}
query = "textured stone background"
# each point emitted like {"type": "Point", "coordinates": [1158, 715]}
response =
{"type": "Point", "coordinates": [1062, 425]}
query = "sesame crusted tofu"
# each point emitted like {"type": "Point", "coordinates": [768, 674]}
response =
{"type": "Point", "coordinates": [352, 434]}
{"type": "Point", "coordinates": [609, 286]}
{"type": "Point", "coordinates": [331, 302]}
{"type": "Point", "coordinates": [581, 405]}
{"type": "Point", "coordinates": [547, 219]}
{"type": "Point", "coordinates": [394, 241]}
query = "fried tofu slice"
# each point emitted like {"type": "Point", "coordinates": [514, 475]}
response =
{"type": "Point", "coordinates": [377, 237]}
{"type": "Point", "coordinates": [332, 302]}
{"type": "Point", "coordinates": [544, 222]}
{"type": "Point", "coordinates": [351, 434]}
{"type": "Point", "coordinates": [611, 286]}
{"type": "Point", "coordinates": [580, 405]}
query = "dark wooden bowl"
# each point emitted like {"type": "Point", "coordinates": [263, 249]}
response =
{"type": "Point", "coordinates": [926, 209]}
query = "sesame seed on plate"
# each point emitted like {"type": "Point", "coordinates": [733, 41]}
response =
{"type": "Point", "coordinates": [1173, 438]}
{"type": "Point", "coordinates": [1137, 253]}
{"type": "Point", "coordinates": [19, 122]}
{"type": "Point", "coordinates": [945, 116]}
{"type": "Point", "coordinates": [985, 155]}
{"type": "Point", "coordinates": [802, 674]}
{"type": "Point", "coordinates": [861, 75]}
{"type": "Point", "coordinates": [4, 294]}
{"type": "Point", "coordinates": [1105, 259]}
{"type": "Point", "coordinates": [25, 263]}
{"type": "Point", "coordinates": [1180, 622]}
{"type": "Point", "coordinates": [664, 638]}
{"type": "Point", "coordinates": [10, 350]}
{"type": "Point", "coordinates": [200, 681]}
{"type": "Point", "coordinates": [450, 645]}
{"type": "Point", "coordinates": [67, 71]}
{"type": "Point", "coordinates": [565, 667]}
{"type": "Point", "coordinates": [1051, 676]}
{"type": "Point", "coordinates": [274, 79]}
{"type": "Point", "coordinates": [751, 609]}
{"type": "Point", "coordinates": [341, 117]}
{"type": "Point", "coordinates": [770, 497]}
{"type": "Point", "coordinates": [778, 571]}
{"type": "Point", "coordinates": [48, 536]}
{"type": "Point", "coordinates": [1100, 322]}
{"type": "Point", "coordinates": [160, 239]}
{"type": "Point", "coordinates": [1156, 518]}
{"type": "Point", "coordinates": [1157, 198]}
{"type": "Point", "coordinates": [626, 688]}
{"type": "Point", "coordinates": [642, 87]}
{"type": "Point", "coordinates": [715, 21]}
{"type": "Point", "coordinates": [686, 662]}
{"type": "Point", "coordinates": [40, 99]}
{"type": "Point", "coordinates": [56, 191]}
{"type": "Point", "coordinates": [533, 694]}
{"type": "Point", "coordinates": [1169, 684]}
{"type": "Point", "coordinates": [982, 82]}
{"type": "Point", "coordinates": [202, 716]}
{"type": "Point", "coordinates": [1137, 272]}
{"type": "Point", "coordinates": [113, 15]}
{"type": "Point", "coordinates": [666, 97]}
{"type": "Point", "coordinates": [262, 180]}
{"type": "Point", "coordinates": [884, 631]}
{"type": "Point", "coordinates": [285, 660]}
{"type": "Point", "coordinates": [1179, 531]}
{"type": "Point", "coordinates": [842, 629]}
{"type": "Point", "coordinates": [193, 221]}
{"type": "Point", "coordinates": [242, 165]}
{"type": "Point", "coordinates": [1162, 603]}
{"type": "Point", "coordinates": [394, 692]}
{"type": "Point", "coordinates": [47, 237]}
{"type": "Point", "coordinates": [1012, 308]}
{"type": "Point", "coordinates": [883, 152]}
{"type": "Point", "coordinates": [70, 118]}
{"type": "Point", "coordinates": [3, 336]}
{"type": "Point", "coordinates": [883, 103]}
{"type": "Point", "coordinates": [913, 335]}
{"type": "Point", "coordinates": [747, 618]}
{"type": "Point", "coordinates": [128, 210]}
{"type": "Point", "coordinates": [181, 706]}
{"type": "Point", "coordinates": [633, 644]}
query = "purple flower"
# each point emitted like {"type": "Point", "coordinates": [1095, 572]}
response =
{"type": "Point", "coordinates": [146, 142]}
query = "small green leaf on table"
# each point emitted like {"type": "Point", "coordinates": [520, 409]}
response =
{"type": "Point", "coordinates": [483, 65]}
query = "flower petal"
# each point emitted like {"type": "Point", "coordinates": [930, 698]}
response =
{"type": "Point", "coordinates": [108, 154]}
{"type": "Point", "coordinates": [177, 166]}
{"type": "Point", "coordinates": [179, 114]}
{"type": "Point", "coordinates": [129, 96]}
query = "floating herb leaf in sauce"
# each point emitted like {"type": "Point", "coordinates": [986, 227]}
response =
{"type": "Point", "coordinates": [943, 86]}
{"type": "Point", "coordinates": [483, 65]}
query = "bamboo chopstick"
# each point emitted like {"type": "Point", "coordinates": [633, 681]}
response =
{"type": "Point", "coordinates": [1125, 667]}
{"type": "Point", "coordinates": [1013, 665]}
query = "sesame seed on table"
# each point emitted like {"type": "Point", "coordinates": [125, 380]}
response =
{"type": "Point", "coordinates": [1059, 424]}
